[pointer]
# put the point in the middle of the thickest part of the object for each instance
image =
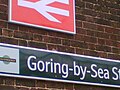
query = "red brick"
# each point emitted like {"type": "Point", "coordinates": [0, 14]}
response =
{"type": "Point", "coordinates": [112, 30]}
{"type": "Point", "coordinates": [78, 44]}
{"type": "Point", "coordinates": [54, 85]}
{"type": "Point", "coordinates": [103, 48]}
{"type": "Point", "coordinates": [23, 35]}
{"type": "Point", "coordinates": [114, 56]}
{"type": "Point", "coordinates": [66, 42]}
{"type": "Point", "coordinates": [53, 40]}
{"type": "Point", "coordinates": [65, 49]}
{"type": "Point", "coordinates": [78, 9]}
{"type": "Point", "coordinates": [2, 80]}
{"type": "Point", "coordinates": [102, 35]}
{"type": "Point", "coordinates": [90, 33]}
{"type": "Point", "coordinates": [113, 5]}
{"type": "Point", "coordinates": [90, 19]}
{"type": "Point", "coordinates": [9, 40]}
{"type": "Point", "coordinates": [89, 26]}
{"type": "Point", "coordinates": [92, 46]}
{"type": "Point", "coordinates": [103, 21]}
{"type": "Point", "coordinates": [79, 37]}
{"type": "Point", "coordinates": [7, 88]}
{"type": "Point", "coordinates": [115, 24]}
{"type": "Point", "coordinates": [3, 16]}
{"type": "Point", "coordinates": [78, 24]}
{"type": "Point", "coordinates": [24, 28]}
{"type": "Point", "coordinates": [81, 31]}
{"type": "Point", "coordinates": [64, 35]}
{"type": "Point", "coordinates": [89, 12]}
{"type": "Point", "coordinates": [40, 84]}
{"type": "Point", "coordinates": [4, 2]}
{"type": "Point", "coordinates": [52, 47]}
{"type": "Point", "coordinates": [22, 42]}
{"type": "Point", "coordinates": [80, 4]}
{"type": "Point", "coordinates": [7, 32]}
{"type": "Point", "coordinates": [9, 81]}
{"type": "Point", "coordinates": [80, 17]}
{"type": "Point", "coordinates": [91, 53]}
{"type": "Point", "coordinates": [69, 86]}
{"type": "Point", "coordinates": [25, 82]}
{"type": "Point", "coordinates": [37, 37]}
{"type": "Point", "coordinates": [118, 38]}
{"type": "Point", "coordinates": [102, 54]}
{"type": "Point", "coordinates": [35, 30]}
{"type": "Point", "coordinates": [116, 50]}
{"type": "Point", "coordinates": [79, 51]}
{"type": "Point", "coordinates": [90, 39]}
{"type": "Point", "coordinates": [101, 8]}
{"type": "Point", "coordinates": [81, 87]}
{"type": "Point", "coordinates": [3, 24]}
{"type": "Point", "coordinates": [89, 5]}
{"type": "Point", "coordinates": [112, 43]}
{"type": "Point", "coordinates": [3, 8]}
{"type": "Point", "coordinates": [12, 26]}
{"type": "Point", "coordinates": [114, 37]}
{"type": "Point", "coordinates": [114, 11]}
{"type": "Point", "coordinates": [101, 41]}
{"type": "Point", "coordinates": [100, 28]}
{"type": "Point", "coordinates": [40, 45]}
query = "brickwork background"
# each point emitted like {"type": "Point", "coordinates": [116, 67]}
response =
{"type": "Point", "coordinates": [98, 34]}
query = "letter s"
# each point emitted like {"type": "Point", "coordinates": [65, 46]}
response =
{"type": "Point", "coordinates": [92, 68]}
{"type": "Point", "coordinates": [116, 75]}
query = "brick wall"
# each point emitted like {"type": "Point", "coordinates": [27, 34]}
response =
{"type": "Point", "coordinates": [98, 34]}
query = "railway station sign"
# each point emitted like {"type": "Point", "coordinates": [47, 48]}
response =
{"type": "Point", "coordinates": [32, 63]}
{"type": "Point", "coordinates": [57, 15]}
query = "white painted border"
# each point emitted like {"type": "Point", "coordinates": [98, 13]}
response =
{"type": "Point", "coordinates": [44, 27]}
{"type": "Point", "coordinates": [9, 10]}
{"type": "Point", "coordinates": [58, 80]}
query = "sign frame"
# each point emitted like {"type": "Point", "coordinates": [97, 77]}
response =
{"type": "Point", "coordinates": [43, 27]}
{"type": "Point", "coordinates": [58, 80]}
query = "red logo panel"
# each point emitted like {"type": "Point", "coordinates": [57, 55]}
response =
{"type": "Point", "coordinates": [56, 15]}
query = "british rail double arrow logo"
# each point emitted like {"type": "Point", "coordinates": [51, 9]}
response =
{"type": "Point", "coordinates": [56, 15]}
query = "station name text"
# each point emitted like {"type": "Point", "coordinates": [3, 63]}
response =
{"type": "Point", "coordinates": [76, 69]}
